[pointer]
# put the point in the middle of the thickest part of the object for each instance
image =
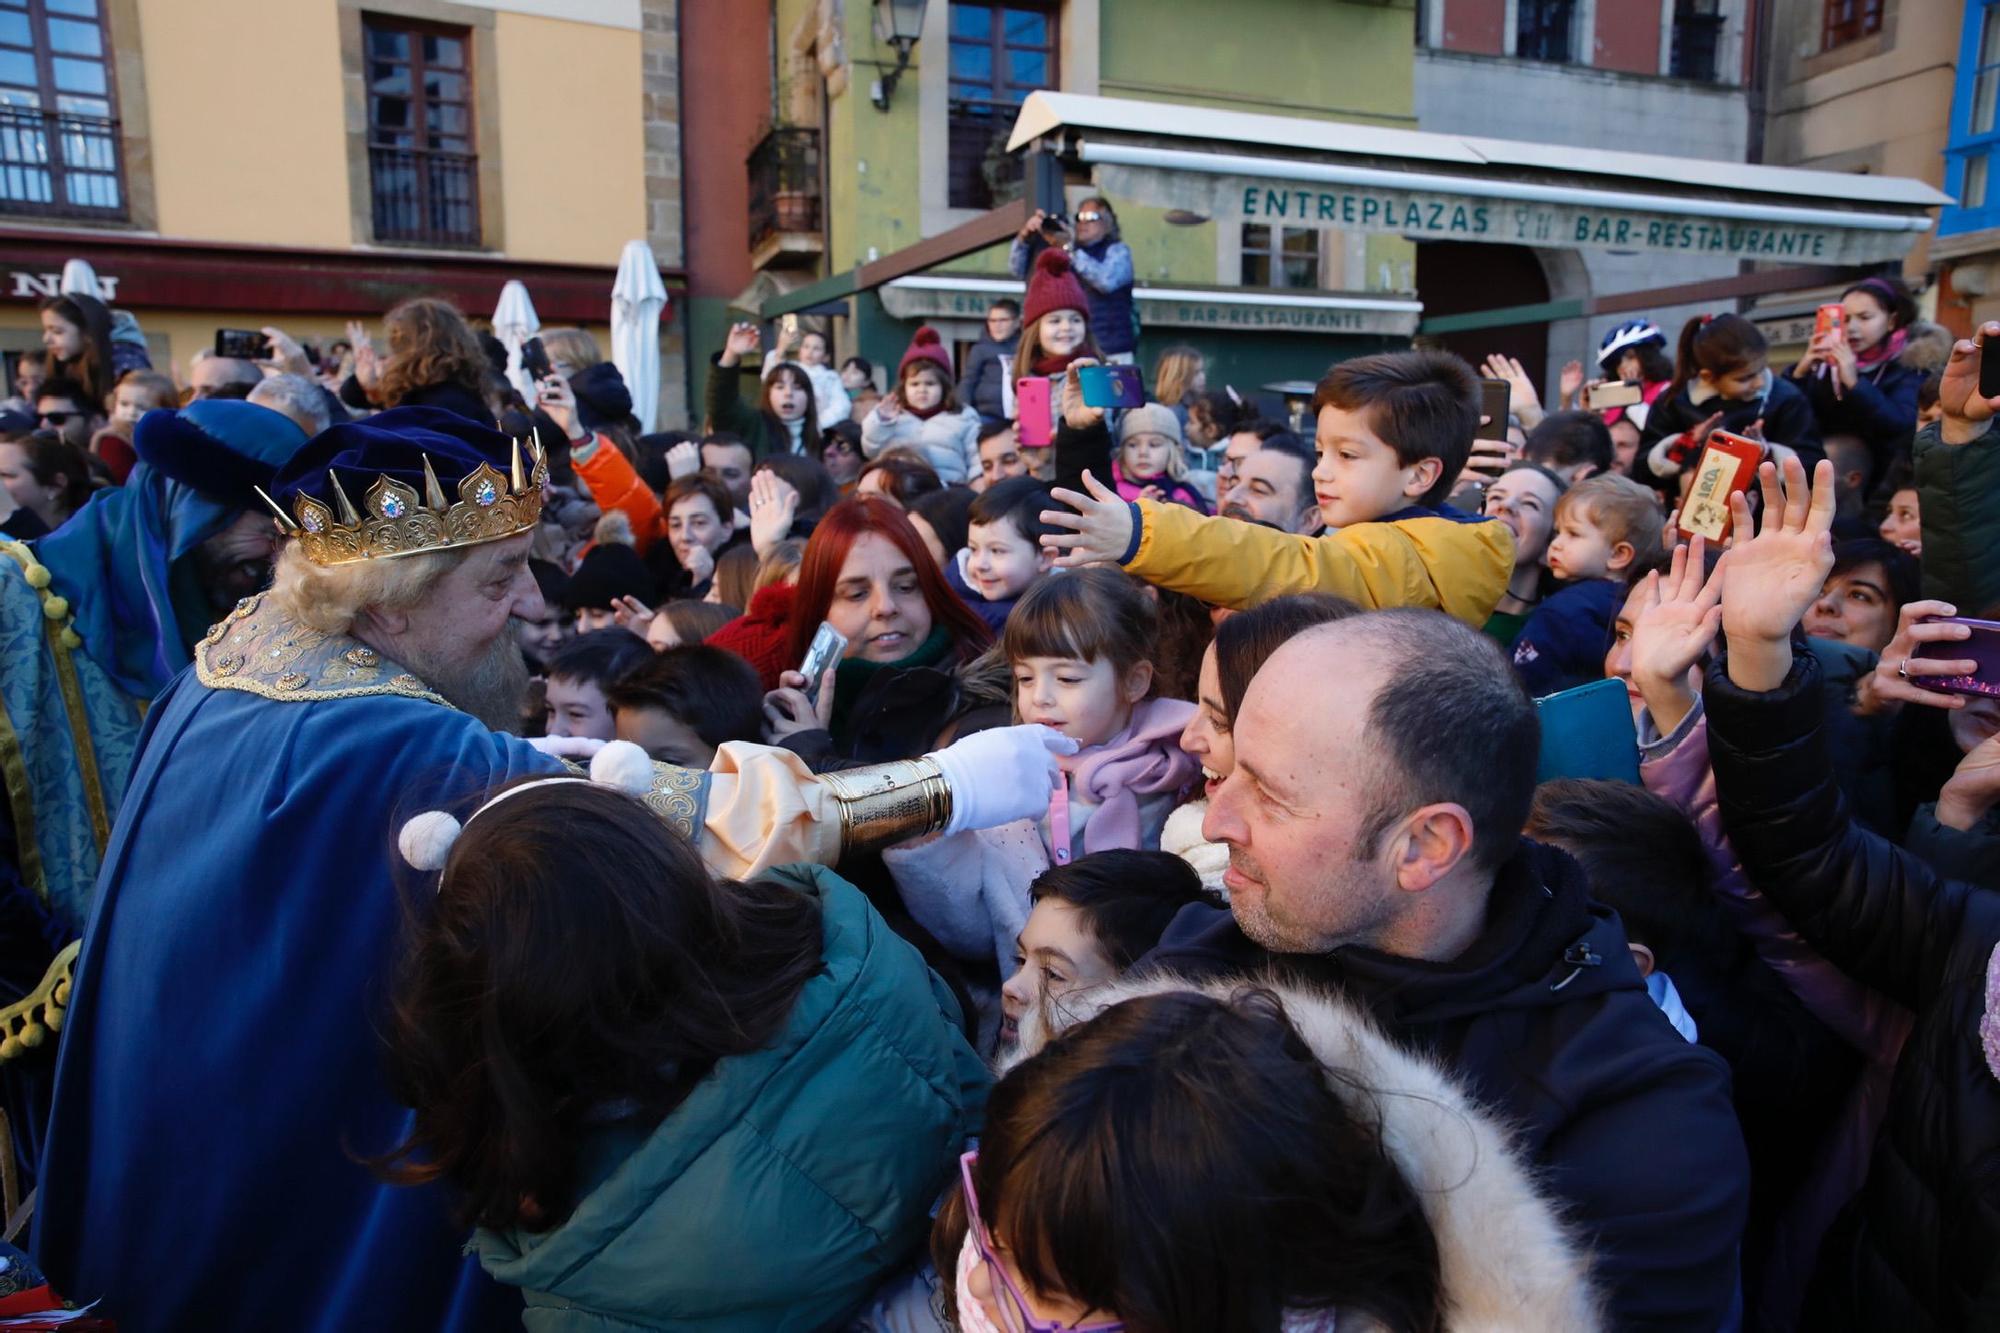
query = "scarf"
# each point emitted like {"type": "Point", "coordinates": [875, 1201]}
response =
{"type": "Point", "coordinates": [853, 675]}
{"type": "Point", "coordinates": [925, 413]}
{"type": "Point", "coordinates": [1883, 352]}
{"type": "Point", "coordinates": [797, 428]}
{"type": "Point", "coordinates": [1057, 365]}
{"type": "Point", "coordinates": [1145, 759]}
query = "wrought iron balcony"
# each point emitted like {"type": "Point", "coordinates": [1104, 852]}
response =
{"type": "Point", "coordinates": [61, 166]}
{"type": "Point", "coordinates": [785, 214]}
{"type": "Point", "coordinates": [425, 196]}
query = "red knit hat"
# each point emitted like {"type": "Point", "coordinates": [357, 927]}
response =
{"type": "Point", "coordinates": [1053, 286]}
{"type": "Point", "coordinates": [761, 635]}
{"type": "Point", "coordinates": [926, 346]}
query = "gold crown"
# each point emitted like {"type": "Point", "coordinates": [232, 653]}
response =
{"type": "Point", "coordinates": [489, 506]}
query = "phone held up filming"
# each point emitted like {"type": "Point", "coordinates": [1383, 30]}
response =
{"type": "Point", "coordinates": [1728, 465]}
{"type": "Point", "coordinates": [828, 646]}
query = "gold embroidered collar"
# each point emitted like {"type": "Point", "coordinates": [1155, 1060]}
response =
{"type": "Point", "coordinates": [261, 651]}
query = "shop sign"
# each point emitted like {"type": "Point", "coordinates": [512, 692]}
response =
{"type": "Point", "coordinates": [23, 285]}
{"type": "Point", "coordinates": [1438, 215]}
{"type": "Point", "coordinates": [1243, 313]}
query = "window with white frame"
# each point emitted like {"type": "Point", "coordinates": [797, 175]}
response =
{"type": "Point", "coordinates": [1280, 256]}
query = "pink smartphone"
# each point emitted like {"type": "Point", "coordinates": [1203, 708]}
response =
{"type": "Point", "coordinates": [1034, 418]}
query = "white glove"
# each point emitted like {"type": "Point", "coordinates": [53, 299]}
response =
{"type": "Point", "coordinates": [1001, 775]}
{"type": "Point", "coordinates": [567, 747]}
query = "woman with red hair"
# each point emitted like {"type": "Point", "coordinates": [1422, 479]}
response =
{"type": "Point", "coordinates": [909, 640]}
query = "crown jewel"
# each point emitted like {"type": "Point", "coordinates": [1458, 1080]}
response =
{"type": "Point", "coordinates": [394, 520]}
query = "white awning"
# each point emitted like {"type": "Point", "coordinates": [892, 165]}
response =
{"type": "Point", "coordinates": [965, 296]}
{"type": "Point", "coordinates": [1293, 171]}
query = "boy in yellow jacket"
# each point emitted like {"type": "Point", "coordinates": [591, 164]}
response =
{"type": "Point", "coordinates": [1393, 432]}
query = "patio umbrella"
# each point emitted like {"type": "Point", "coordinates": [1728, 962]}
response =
{"type": "Point", "coordinates": [514, 322]}
{"type": "Point", "coordinates": [79, 279]}
{"type": "Point", "coordinates": [637, 298]}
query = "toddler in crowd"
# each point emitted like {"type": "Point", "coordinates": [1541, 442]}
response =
{"type": "Point", "coordinates": [136, 393]}
{"type": "Point", "coordinates": [924, 415]}
{"type": "Point", "coordinates": [1605, 527]}
{"type": "Point", "coordinates": [1393, 433]}
{"type": "Point", "coordinates": [582, 674]}
{"type": "Point", "coordinates": [1150, 460]}
{"type": "Point", "coordinates": [1080, 648]}
{"type": "Point", "coordinates": [1721, 371]}
{"type": "Point", "coordinates": [1092, 920]}
{"type": "Point", "coordinates": [1003, 554]}
{"type": "Point", "coordinates": [687, 702]}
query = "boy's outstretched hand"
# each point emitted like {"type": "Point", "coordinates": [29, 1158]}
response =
{"type": "Point", "coordinates": [1098, 526]}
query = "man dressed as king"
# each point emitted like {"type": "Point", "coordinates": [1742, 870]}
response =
{"type": "Point", "coordinates": [221, 1079]}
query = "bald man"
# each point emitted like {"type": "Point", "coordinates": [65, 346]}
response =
{"type": "Point", "coordinates": [1374, 835]}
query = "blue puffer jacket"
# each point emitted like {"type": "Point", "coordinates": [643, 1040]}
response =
{"type": "Point", "coordinates": [792, 1181]}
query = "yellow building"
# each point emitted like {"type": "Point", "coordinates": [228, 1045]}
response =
{"type": "Point", "coordinates": [234, 163]}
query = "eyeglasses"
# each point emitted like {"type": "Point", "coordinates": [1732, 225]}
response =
{"type": "Point", "coordinates": [1016, 1304]}
{"type": "Point", "coordinates": [59, 418]}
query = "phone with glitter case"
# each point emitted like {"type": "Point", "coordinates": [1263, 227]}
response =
{"type": "Point", "coordinates": [1983, 647]}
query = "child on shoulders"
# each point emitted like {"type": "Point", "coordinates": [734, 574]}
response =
{"type": "Point", "coordinates": [1605, 527]}
{"type": "Point", "coordinates": [1393, 433]}
{"type": "Point", "coordinates": [1080, 649]}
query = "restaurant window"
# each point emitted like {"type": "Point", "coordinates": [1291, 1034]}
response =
{"type": "Point", "coordinates": [423, 165]}
{"type": "Point", "coordinates": [60, 154]}
{"type": "Point", "coordinates": [999, 54]}
{"type": "Point", "coordinates": [1279, 256]}
{"type": "Point", "coordinates": [1542, 30]}
{"type": "Point", "coordinates": [1849, 21]}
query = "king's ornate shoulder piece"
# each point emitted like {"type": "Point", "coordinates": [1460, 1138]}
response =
{"type": "Point", "coordinates": [394, 520]}
{"type": "Point", "coordinates": [260, 651]}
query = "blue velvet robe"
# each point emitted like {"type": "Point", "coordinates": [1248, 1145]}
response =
{"type": "Point", "coordinates": [221, 1065]}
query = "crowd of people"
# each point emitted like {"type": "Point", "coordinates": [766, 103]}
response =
{"type": "Point", "coordinates": [880, 859]}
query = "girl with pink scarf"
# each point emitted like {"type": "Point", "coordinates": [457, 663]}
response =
{"type": "Point", "coordinates": [1079, 648]}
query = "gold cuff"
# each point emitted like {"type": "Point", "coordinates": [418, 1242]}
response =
{"type": "Point", "coordinates": [889, 803]}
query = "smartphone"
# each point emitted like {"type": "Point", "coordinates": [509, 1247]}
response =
{"type": "Point", "coordinates": [1983, 647]}
{"type": "Point", "coordinates": [1989, 370]}
{"type": "Point", "coordinates": [1728, 465]}
{"type": "Point", "coordinates": [1494, 398]}
{"type": "Point", "coordinates": [788, 325]}
{"type": "Point", "coordinates": [1111, 386]}
{"type": "Point", "coordinates": [242, 344]}
{"type": "Point", "coordinates": [828, 646]}
{"type": "Point", "coordinates": [1588, 732]}
{"type": "Point", "coordinates": [1617, 393]}
{"type": "Point", "coordinates": [1034, 420]}
{"type": "Point", "coordinates": [535, 360]}
{"type": "Point", "coordinates": [1830, 319]}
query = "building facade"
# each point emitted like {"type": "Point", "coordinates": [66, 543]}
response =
{"type": "Point", "coordinates": [233, 163]}
{"type": "Point", "coordinates": [1967, 248]}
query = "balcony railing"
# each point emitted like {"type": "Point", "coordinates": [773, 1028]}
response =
{"type": "Point", "coordinates": [784, 185]}
{"type": "Point", "coordinates": [60, 166]}
{"type": "Point", "coordinates": [424, 196]}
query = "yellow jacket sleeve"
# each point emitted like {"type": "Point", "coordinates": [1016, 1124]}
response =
{"type": "Point", "coordinates": [1455, 566]}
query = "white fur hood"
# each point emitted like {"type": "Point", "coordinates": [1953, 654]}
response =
{"type": "Point", "coordinates": [1506, 1260]}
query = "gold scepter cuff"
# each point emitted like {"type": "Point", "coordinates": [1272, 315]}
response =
{"type": "Point", "coordinates": [889, 803]}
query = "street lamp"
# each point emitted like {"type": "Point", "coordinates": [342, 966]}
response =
{"type": "Point", "coordinates": [899, 23]}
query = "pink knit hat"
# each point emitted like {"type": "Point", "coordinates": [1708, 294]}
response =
{"type": "Point", "coordinates": [926, 346]}
{"type": "Point", "coordinates": [1053, 286]}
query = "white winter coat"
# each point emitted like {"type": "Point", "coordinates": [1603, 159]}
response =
{"type": "Point", "coordinates": [949, 441]}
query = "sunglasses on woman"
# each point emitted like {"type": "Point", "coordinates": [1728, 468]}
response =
{"type": "Point", "coordinates": [1014, 1304]}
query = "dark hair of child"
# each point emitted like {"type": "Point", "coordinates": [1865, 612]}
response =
{"type": "Point", "coordinates": [1642, 856]}
{"type": "Point", "coordinates": [711, 691]}
{"type": "Point", "coordinates": [1888, 291]}
{"type": "Point", "coordinates": [1565, 439]}
{"type": "Point", "coordinates": [1124, 898]}
{"type": "Point", "coordinates": [1120, 1165]}
{"type": "Point", "coordinates": [1087, 614]}
{"type": "Point", "coordinates": [860, 363]}
{"type": "Point", "coordinates": [1423, 404]}
{"type": "Point", "coordinates": [1246, 640]}
{"type": "Point", "coordinates": [1017, 500]}
{"type": "Point", "coordinates": [1621, 509]}
{"type": "Point", "coordinates": [910, 477]}
{"type": "Point", "coordinates": [1719, 344]}
{"type": "Point", "coordinates": [946, 511]}
{"type": "Point", "coordinates": [601, 657]}
{"type": "Point", "coordinates": [683, 971]}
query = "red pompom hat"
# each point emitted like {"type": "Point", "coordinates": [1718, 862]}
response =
{"type": "Point", "coordinates": [1053, 285]}
{"type": "Point", "coordinates": [926, 346]}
